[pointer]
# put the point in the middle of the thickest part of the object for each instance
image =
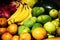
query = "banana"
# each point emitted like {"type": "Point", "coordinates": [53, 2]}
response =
{"type": "Point", "coordinates": [22, 15]}
{"type": "Point", "coordinates": [14, 15]}
{"type": "Point", "coordinates": [20, 23]}
{"type": "Point", "coordinates": [23, 12]}
{"type": "Point", "coordinates": [30, 15]}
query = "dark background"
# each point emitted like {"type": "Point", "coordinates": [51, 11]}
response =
{"type": "Point", "coordinates": [57, 1]}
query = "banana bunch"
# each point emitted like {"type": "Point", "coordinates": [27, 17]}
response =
{"type": "Point", "coordinates": [20, 23]}
{"type": "Point", "coordinates": [22, 12]}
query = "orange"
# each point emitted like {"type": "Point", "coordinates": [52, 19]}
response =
{"type": "Point", "coordinates": [3, 30]}
{"type": "Point", "coordinates": [15, 37]}
{"type": "Point", "coordinates": [3, 21]}
{"type": "Point", "coordinates": [6, 36]}
{"type": "Point", "coordinates": [25, 36]}
{"type": "Point", "coordinates": [12, 28]}
{"type": "Point", "coordinates": [39, 33]}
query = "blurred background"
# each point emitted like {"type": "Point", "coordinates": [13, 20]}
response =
{"type": "Point", "coordinates": [57, 1]}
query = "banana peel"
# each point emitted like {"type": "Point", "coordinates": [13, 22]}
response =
{"type": "Point", "coordinates": [31, 3]}
{"type": "Point", "coordinates": [20, 23]}
{"type": "Point", "coordinates": [21, 14]}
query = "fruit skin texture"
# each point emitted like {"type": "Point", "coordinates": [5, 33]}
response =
{"type": "Point", "coordinates": [15, 37]}
{"type": "Point", "coordinates": [56, 23]}
{"type": "Point", "coordinates": [43, 19]}
{"type": "Point", "coordinates": [38, 11]}
{"type": "Point", "coordinates": [14, 15]}
{"type": "Point", "coordinates": [53, 13]}
{"type": "Point", "coordinates": [2, 30]}
{"type": "Point", "coordinates": [36, 25]}
{"type": "Point", "coordinates": [6, 36]}
{"type": "Point", "coordinates": [3, 21]}
{"type": "Point", "coordinates": [49, 27]}
{"type": "Point", "coordinates": [39, 33]}
{"type": "Point", "coordinates": [23, 29]}
{"type": "Point", "coordinates": [20, 15]}
{"type": "Point", "coordinates": [24, 13]}
{"type": "Point", "coordinates": [30, 15]}
{"type": "Point", "coordinates": [25, 36]}
{"type": "Point", "coordinates": [29, 22]}
{"type": "Point", "coordinates": [12, 28]}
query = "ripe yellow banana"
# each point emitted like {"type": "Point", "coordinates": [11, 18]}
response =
{"type": "Point", "coordinates": [20, 23]}
{"type": "Point", "coordinates": [14, 15]}
{"type": "Point", "coordinates": [22, 15]}
{"type": "Point", "coordinates": [29, 16]}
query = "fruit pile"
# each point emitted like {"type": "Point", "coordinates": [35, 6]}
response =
{"type": "Point", "coordinates": [24, 20]}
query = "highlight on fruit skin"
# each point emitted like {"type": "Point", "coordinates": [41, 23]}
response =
{"type": "Point", "coordinates": [12, 28]}
{"type": "Point", "coordinates": [39, 33]}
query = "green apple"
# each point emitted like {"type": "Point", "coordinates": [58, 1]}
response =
{"type": "Point", "coordinates": [43, 19]}
{"type": "Point", "coordinates": [38, 11]}
{"type": "Point", "coordinates": [56, 23]}
{"type": "Point", "coordinates": [53, 13]}
{"type": "Point", "coordinates": [50, 27]}
{"type": "Point", "coordinates": [22, 29]}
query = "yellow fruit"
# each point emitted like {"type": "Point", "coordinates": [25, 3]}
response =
{"type": "Point", "coordinates": [20, 15]}
{"type": "Point", "coordinates": [25, 36]}
{"type": "Point", "coordinates": [14, 15]}
{"type": "Point", "coordinates": [39, 33]}
{"type": "Point", "coordinates": [29, 2]}
{"type": "Point", "coordinates": [24, 13]}
{"type": "Point", "coordinates": [30, 15]}
{"type": "Point", "coordinates": [12, 28]}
